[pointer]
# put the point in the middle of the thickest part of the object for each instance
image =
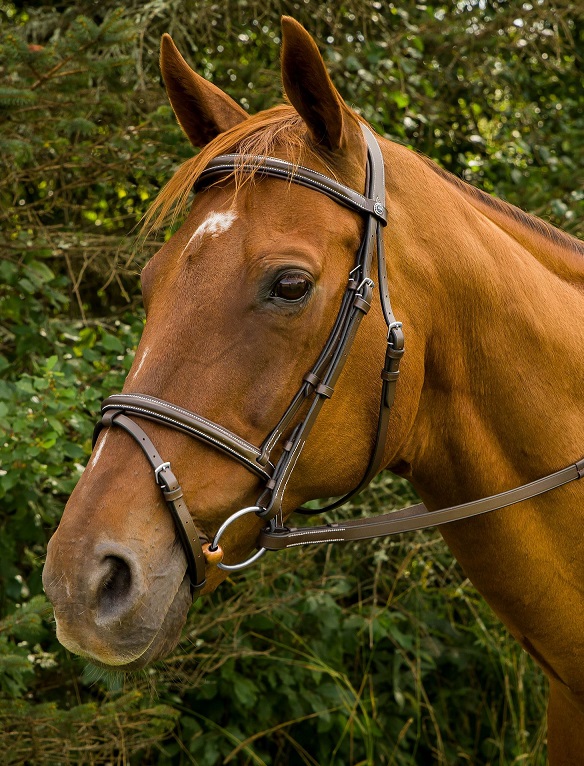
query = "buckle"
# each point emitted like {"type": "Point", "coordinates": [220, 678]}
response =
{"type": "Point", "coordinates": [395, 340]}
{"type": "Point", "coordinates": [157, 471]}
{"type": "Point", "coordinates": [367, 282]}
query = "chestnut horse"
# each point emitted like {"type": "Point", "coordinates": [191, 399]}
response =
{"type": "Point", "coordinates": [239, 304]}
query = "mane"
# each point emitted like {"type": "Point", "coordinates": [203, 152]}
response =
{"type": "Point", "coordinates": [278, 128]}
{"type": "Point", "coordinates": [531, 222]}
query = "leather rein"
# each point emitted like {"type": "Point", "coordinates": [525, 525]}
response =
{"type": "Point", "coordinates": [317, 386]}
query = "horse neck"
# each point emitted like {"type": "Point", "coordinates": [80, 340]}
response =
{"type": "Point", "coordinates": [490, 306]}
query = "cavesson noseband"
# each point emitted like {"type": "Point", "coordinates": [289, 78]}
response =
{"type": "Point", "coordinates": [318, 385]}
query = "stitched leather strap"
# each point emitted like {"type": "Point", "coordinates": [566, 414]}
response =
{"type": "Point", "coordinates": [414, 517]}
{"type": "Point", "coordinates": [298, 174]}
{"type": "Point", "coordinates": [395, 337]}
{"type": "Point", "coordinates": [221, 438]}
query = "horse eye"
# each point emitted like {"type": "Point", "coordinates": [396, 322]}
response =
{"type": "Point", "coordinates": [291, 287]}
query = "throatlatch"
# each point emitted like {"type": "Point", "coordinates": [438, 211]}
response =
{"type": "Point", "coordinates": [318, 385]}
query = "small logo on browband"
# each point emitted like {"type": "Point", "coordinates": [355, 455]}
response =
{"type": "Point", "coordinates": [378, 209]}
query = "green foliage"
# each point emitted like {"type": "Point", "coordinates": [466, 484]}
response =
{"type": "Point", "coordinates": [373, 653]}
{"type": "Point", "coordinates": [377, 653]}
{"type": "Point", "coordinates": [20, 631]}
{"type": "Point", "coordinates": [47, 734]}
{"type": "Point", "coordinates": [46, 442]}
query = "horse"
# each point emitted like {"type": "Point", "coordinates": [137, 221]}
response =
{"type": "Point", "coordinates": [240, 302]}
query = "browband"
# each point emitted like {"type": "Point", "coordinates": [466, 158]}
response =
{"type": "Point", "coordinates": [273, 167]}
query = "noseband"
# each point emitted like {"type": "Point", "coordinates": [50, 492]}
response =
{"type": "Point", "coordinates": [318, 385]}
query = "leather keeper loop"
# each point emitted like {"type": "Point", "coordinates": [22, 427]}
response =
{"type": "Point", "coordinates": [312, 379]}
{"type": "Point", "coordinates": [389, 375]}
{"type": "Point", "coordinates": [326, 391]}
{"type": "Point", "coordinates": [107, 418]}
{"type": "Point", "coordinates": [167, 481]}
{"type": "Point", "coordinates": [394, 353]}
{"type": "Point", "coordinates": [395, 338]}
{"type": "Point", "coordinates": [361, 304]}
{"type": "Point", "coordinates": [263, 459]}
{"type": "Point", "coordinates": [172, 494]}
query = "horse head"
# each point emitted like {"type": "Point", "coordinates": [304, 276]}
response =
{"type": "Point", "coordinates": [239, 305]}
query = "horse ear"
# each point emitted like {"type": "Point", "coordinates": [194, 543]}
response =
{"type": "Point", "coordinates": [310, 89]}
{"type": "Point", "coordinates": [201, 108]}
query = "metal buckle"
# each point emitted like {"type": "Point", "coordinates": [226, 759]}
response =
{"type": "Point", "coordinates": [395, 330]}
{"type": "Point", "coordinates": [234, 516]}
{"type": "Point", "coordinates": [157, 471]}
{"type": "Point", "coordinates": [367, 281]}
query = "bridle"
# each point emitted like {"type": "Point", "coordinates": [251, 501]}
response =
{"type": "Point", "coordinates": [318, 385]}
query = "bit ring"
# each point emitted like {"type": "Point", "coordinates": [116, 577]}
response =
{"type": "Point", "coordinates": [215, 544]}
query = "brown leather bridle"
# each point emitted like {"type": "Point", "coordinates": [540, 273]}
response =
{"type": "Point", "coordinates": [318, 385]}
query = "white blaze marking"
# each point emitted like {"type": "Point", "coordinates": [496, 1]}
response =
{"type": "Point", "coordinates": [97, 453]}
{"type": "Point", "coordinates": [141, 362]}
{"type": "Point", "coordinates": [214, 224]}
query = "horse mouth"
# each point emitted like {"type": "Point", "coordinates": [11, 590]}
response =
{"type": "Point", "coordinates": [169, 633]}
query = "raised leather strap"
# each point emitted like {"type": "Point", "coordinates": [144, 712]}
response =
{"type": "Point", "coordinates": [191, 539]}
{"type": "Point", "coordinates": [221, 438]}
{"type": "Point", "coordinates": [275, 168]}
{"type": "Point", "coordinates": [414, 517]}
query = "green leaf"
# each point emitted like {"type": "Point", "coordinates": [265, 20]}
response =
{"type": "Point", "coordinates": [400, 99]}
{"type": "Point", "coordinates": [111, 342]}
{"type": "Point", "coordinates": [244, 690]}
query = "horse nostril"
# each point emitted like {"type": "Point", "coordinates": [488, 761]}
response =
{"type": "Point", "coordinates": [116, 584]}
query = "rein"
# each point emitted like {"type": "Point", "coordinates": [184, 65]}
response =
{"type": "Point", "coordinates": [318, 386]}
